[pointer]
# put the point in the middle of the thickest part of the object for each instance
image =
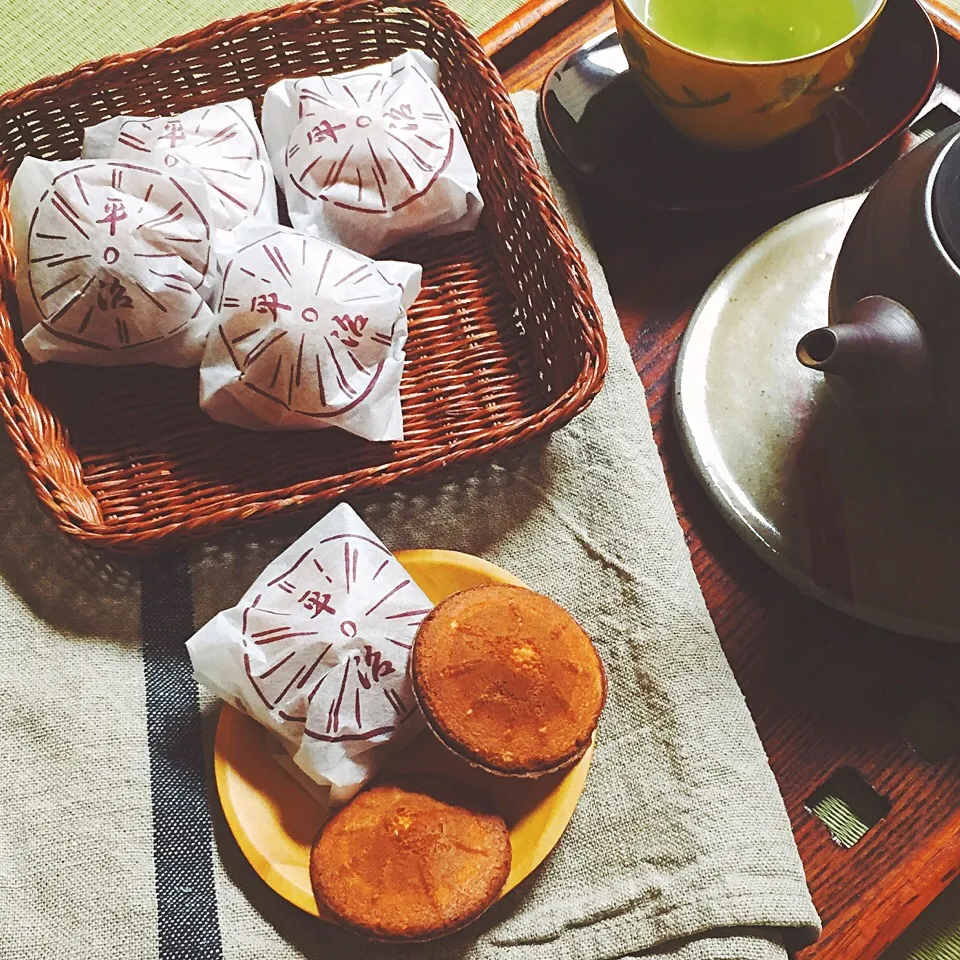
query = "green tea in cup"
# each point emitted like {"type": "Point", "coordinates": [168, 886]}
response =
{"type": "Point", "coordinates": [738, 74]}
{"type": "Point", "coordinates": [750, 30]}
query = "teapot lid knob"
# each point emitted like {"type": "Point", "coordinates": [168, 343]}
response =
{"type": "Point", "coordinates": [946, 201]}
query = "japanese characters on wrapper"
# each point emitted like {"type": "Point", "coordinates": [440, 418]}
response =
{"type": "Point", "coordinates": [162, 244]}
{"type": "Point", "coordinates": [317, 650]}
{"type": "Point", "coordinates": [328, 350]}
{"type": "Point", "coordinates": [114, 262]}
{"type": "Point", "coordinates": [371, 157]}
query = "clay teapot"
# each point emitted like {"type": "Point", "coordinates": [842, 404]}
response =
{"type": "Point", "coordinates": [892, 347]}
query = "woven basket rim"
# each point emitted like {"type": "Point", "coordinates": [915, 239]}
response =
{"type": "Point", "coordinates": [160, 531]}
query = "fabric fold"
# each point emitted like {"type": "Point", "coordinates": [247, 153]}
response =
{"type": "Point", "coordinates": [680, 848]}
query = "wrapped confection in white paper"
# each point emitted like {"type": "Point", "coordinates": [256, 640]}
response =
{"type": "Point", "coordinates": [318, 649]}
{"type": "Point", "coordinates": [308, 335]}
{"type": "Point", "coordinates": [114, 262]}
{"type": "Point", "coordinates": [371, 157]}
{"type": "Point", "coordinates": [221, 142]}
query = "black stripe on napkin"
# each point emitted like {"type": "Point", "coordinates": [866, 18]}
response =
{"type": "Point", "coordinates": [189, 927]}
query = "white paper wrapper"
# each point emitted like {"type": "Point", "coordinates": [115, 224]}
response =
{"type": "Point", "coordinates": [308, 335]}
{"type": "Point", "coordinates": [114, 262]}
{"type": "Point", "coordinates": [371, 157]}
{"type": "Point", "coordinates": [221, 142]}
{"type": "Point", "coordinates": [318, 649]}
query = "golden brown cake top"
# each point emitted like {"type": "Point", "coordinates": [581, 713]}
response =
{"type": "Point", "coordinates": [411, 859]}
{"type": "Point", "coordinates": [508, 678]}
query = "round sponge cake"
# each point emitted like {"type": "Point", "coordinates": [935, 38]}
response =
{"type": "Point", "coordinates": [411, 859]}
{"type": "Point", "coordinates": [508, 679]}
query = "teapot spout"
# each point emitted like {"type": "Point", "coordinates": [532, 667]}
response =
{"type": "Point", "coordinates": [877, 354]}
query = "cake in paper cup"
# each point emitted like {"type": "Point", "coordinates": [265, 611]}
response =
{"type": "Point", "coordinates": [508, 680]}
{"type": "Point", "coordinates": [317, 651]}
{"type": "Point", "coordinates": [114, 262]}
{"type": "Point", "coordinates": [308, 335]}
{"type": "Point", "coordinates": [371, 157]}
{"type": "Point", "coordinates": [220, 142]}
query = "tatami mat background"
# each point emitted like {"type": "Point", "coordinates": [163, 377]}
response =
{"type": "Point", "coordinates": [42, 37]}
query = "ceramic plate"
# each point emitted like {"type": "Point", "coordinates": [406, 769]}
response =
{"type": "Point", "coordinates": [791, 471]}
{"type": "Point", "coordinates": [597, 117]}
{"type": "Point", "coordinates": [275, 816]}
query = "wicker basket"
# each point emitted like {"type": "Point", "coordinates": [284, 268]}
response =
{"type": "Point", "coordinates": [505, 340]}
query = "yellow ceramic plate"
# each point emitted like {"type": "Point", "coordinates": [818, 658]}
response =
{"type": "Point", "coordinates": [275, 820]}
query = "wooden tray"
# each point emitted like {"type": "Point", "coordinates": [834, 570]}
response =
{"type": "Point", "coordinates": [829, 695]}
{"type": "Point", "coordinates": [505, 341]}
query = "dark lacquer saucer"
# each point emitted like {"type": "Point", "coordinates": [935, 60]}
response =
{"type": "Point", "coordinates": [598, 118]}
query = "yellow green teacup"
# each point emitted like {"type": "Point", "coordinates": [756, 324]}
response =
{"type": "Point", "coordinates": [749, 98]}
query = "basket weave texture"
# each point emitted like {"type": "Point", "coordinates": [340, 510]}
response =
{"type": "Point", "coordinates": [505, 340]}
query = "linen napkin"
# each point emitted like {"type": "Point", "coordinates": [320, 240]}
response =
{"type": "Point", "coordinates": [112, 842]}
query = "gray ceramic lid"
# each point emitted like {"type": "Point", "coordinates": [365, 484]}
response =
{"type": "Point", "coordinates": [794, 474]}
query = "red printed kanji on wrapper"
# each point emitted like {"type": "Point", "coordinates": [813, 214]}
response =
{"type": "Point", "coordinates": [317, 650]}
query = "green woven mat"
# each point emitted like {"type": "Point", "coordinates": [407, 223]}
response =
{"type": "Point", "coordinates": [41, 37]}
{"type": "Point", "coordinates": [936, 933]}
